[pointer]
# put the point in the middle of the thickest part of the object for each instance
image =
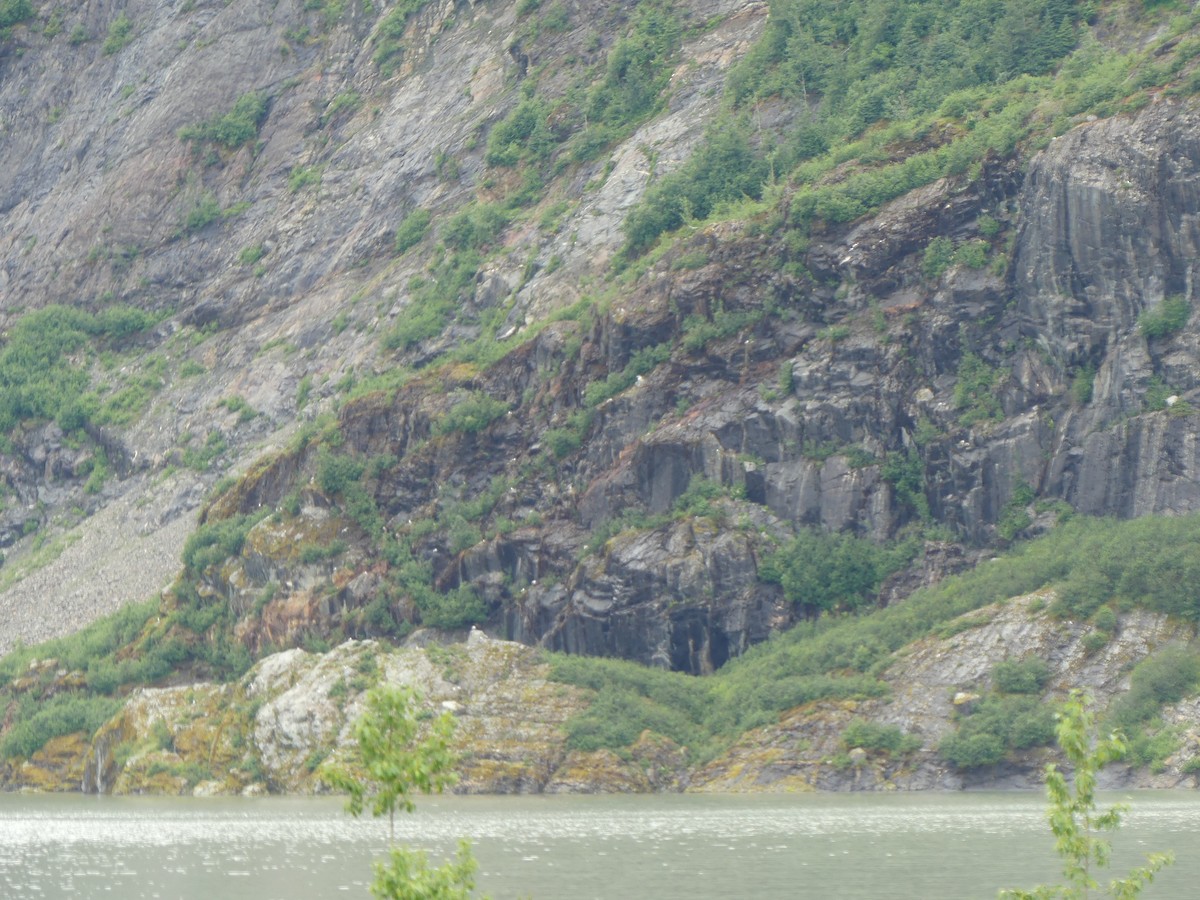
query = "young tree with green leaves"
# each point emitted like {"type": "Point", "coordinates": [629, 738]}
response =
{"type": "Point", "coordinates": [1075, 820]}
{"type": "Point", "coordinates": [398, 760]}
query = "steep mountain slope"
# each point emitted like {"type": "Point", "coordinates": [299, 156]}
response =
{"type": "Point", "coordinates": [572, 320]}
{"type": "Point", "coordinates": [270, 252]}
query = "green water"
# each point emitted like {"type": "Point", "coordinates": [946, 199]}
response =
{"type": "Point", "coordinates": [852, 847]}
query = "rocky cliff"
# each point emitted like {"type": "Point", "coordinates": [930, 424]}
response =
{"type": "Point", "coordinates": [280, 727]}
{"type": "Point", "coordinates": [387, 280]}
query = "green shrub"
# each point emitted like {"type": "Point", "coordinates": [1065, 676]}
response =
{"type": "Point", "coordinates": [1168, 318]}
{"type": "Point", "coordinates": [562, 441]}
{"type": "Point", "coordinates": [120, 33]}
{"type": "Point", "coordinates": [641, 362]}
{"type": "Point", "coordinates": [639, 67]}
{"type": "Point", "coordinates": [1082, 384]}
{"type": "Point", "coordinates": [389, 35]}
{"type": "Point", "coordinates": [101, 638]}
{"type": "Point", "coordinates": [233, 129]}
{"type": "Point", "coordinates": [722, 169]}
{"type": "Point", "coordinates": [412, 230]}
{"type": "Point", "coordinates": [215, 542]}
{"type": "Point", "coordinates": [200, 458]}
{"type": "Point", "coordinates": [1014, 517]}
{"type": "Point", "coordinates": [699, 331]}
{"type": "Point", "coordinates": [43, 366]}
{"type": "Point", "coordinates": [337, 471]}
{"type": "Point", "coordinates": [883, 738]}
{"type": "Point", "coordinates": [304, 176]}
{"type": "Point", "coordinates": [13, 12]}
{"type": "Point", "coordinates": [475, 227]}
{"type": "Point", "coordinates": [939, 255]}
{"type": "Point", "coordinates": [972, 254]}
{"type": "Point", "coordinates": [311, 554]}
{"type": "Point", "coordinates": [1105, 619]}
{"type": "Point", "coordinates": [345, 102]}
{"type": "Point", "coordinates": [433, 302]}
{"type": "Point", "coordinates": [821, 572]}
{"type": "Point", "coordinates": [455, 609]}
{"type": "Point", "coordinates": [470, 415]}
{"type": "Point", "coordinates": [59, 715]}
{"type": "Point", "coordinates": [203, 212]}
{"type": "Point", "coordinates": [522, 134]}
{"type": "Point", "coordinates": [1026, 676]}
{"type": "Point", "coordinates": [905, 472]}
{"type": "Point", "coordinates": [997, 725]}
{"type": "Point", "coordinates": [1151, 565]}
{"type": "Point", "coordinates": [1164, 677]}
{"type": "Point", "coordinates": [976, 392]}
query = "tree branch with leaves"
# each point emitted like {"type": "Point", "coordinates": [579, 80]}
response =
{"type": "Point", "coordinates": [399, 756]}
{"type": "Point", "coordinates": [1076, 822]}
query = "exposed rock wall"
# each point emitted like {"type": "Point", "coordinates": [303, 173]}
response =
{"type": "Point", "coordinates": [291, 717]}
{"type": "Point", "coordinates": [795, 376]}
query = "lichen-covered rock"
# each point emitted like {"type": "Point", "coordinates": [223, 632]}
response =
{"type": "Point", "coordinates": [293, 714]}
{"type": "Point", "coordinates": [931, 682]}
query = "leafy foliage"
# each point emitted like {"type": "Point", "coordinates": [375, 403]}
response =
{"type": "Point", "coordinates": [997, 725]}
{"type": "Point", "coordinates": [822, 572]}
{"type": "Point", "coordinates": [120, 33]}
{"type": "Point", "coordinates": [13, 12]}
{"type": "Point", "coordinates": [214, 542]}
{"type": "Point", "coordinates": [1164, 677]}
{"type": "Point", "coordinates": [905, 472]}
{"type": "Point", "coordinates": [396, 760]}
{"type": "Point", "coordinates": [641, 362]}
{"type": "Point", "coordinates": [398, 757]}
{"type": "Point", "coordinates": [723, 169]}
{"type": "Point", "coordinates": [882, 738]}
{"type": "Point", "coordinates": [867, 76]}
{"type": "Point", "coordinates": [233, 129]}
{"type": "Point", "coordinates": [867, 59]}
{"type": "Point", "coordinates": [470, 415]}
{"type": "Point", "coordinates": [412, 230]}
{"type": "Point", "coordinates": [1148, 562]}
{"type": "Point", "coordinates": [1075, 820]}
{"type": "Point", "coordinates": [60, 715]}
{"type": "Point", "coordinates": [42, 370]}
{"type": "Point", "coordinates": [975, 391]}
{"type": "Point", "coordinates": [434, 301]}
{"type": "Point", "coordinates": [1166, 319]}
{"type": "Point", "coordinates": [638, 68]}
{"type": "Point", "coordinates": [1024, 676]}
{"type": "Point", "coordinates": [407, 876]}
{"type": "Point", "coordinates": [523, 133]}
{"type": "Point", "coordinates": [389, 35]}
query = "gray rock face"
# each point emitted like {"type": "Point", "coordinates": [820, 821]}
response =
{"type": "Point", "coordinates": [823, 385]}
{"type": "Point", "coordinates": [707, 604]}
{"type": "Point", "coordinates": [847, 413]}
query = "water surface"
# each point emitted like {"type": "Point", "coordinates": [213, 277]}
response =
{"type": "Point", "coordinates": [854, 847]}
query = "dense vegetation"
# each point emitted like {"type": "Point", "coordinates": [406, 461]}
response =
{"type": "Point", "coordinates": [955, 82]}
{"type": "Point", "coordinates": [843, 656]}
{"type": "Point", "coordinates": [45, 375]}
{"type": "Point", "coordinates": [878, 98]}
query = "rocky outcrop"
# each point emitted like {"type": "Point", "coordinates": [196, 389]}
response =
{"type": "Point", "coordinates": [862, 400]}
{"type": "Point", "coordinates": [278, 727]}
{"type": "Point", "coordinates": [929, 681]}
{"type": "Point", "coordinates": [597, 452]}
{"type": "Point", "coordinates": [291, 717]}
